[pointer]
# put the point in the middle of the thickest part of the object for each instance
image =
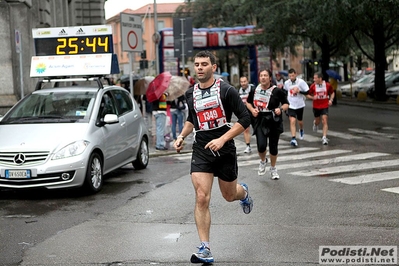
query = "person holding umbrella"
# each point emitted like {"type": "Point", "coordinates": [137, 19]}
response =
{"type": "Point", "coordinates": [159, 111]}
{"type": "Point", "coordinates": [211, 103]}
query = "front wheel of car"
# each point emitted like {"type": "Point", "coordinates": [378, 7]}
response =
{"type": "Point", "coordinates": [94, 174]}
{"type": "Point", "coordinates": [143, 155]}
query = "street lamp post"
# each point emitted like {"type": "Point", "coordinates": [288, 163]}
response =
{"type": "Point", "coordinates": [156, 33]}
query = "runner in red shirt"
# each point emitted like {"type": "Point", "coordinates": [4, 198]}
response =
{"type": "Point", "coordinates": [322, 94]}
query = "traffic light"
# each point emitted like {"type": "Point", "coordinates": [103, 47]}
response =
{"type": "Point", "coordinates": [144, 54]}
{"type": "Point", "coordinates": [143, 64]}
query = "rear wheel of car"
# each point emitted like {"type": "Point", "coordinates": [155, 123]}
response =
{"type": "Point", "coordinates": [94, 174]}
{"type": "Point", "coordinates": [143, 154]}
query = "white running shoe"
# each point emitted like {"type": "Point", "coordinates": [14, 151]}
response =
{"type": "Point", "coordinates": [324, 140]}
{"type": "Point", "coordinates": [274, 174]}
{"type": "Point", "coordinates": [247, 149]}
{"type": "Point", "coordinates": [294, 142]}
{"type": "Point", "coordinates": [262, 168]}
{"type": "Point", "coordinates": [315, 128]}
{"type": "Point", "coordinates": [301, 134]}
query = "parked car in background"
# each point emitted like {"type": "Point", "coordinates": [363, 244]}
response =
{"type": "Point", "coordinates": [393, 92]}
{"type": "Point", "coordinates": [369, 88]}
{"type": "Point", "coordinates": [349, 89]}
{"type": "Point", "coordinates": [68, 136]}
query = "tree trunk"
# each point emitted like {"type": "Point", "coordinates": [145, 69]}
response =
{"type": "Point", "coordinates": [325, 57]}
{"type": "Point", "coordinates": [380, 61]}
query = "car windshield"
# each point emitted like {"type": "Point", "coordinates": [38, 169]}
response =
{"type": "Point", "coordinates": [363, 79]}
{"type": "Point", "coordinates": [52, 107]}
{"type": "Point", "coordinates": [391, 76]}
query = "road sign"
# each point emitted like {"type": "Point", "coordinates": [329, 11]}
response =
{"type": "Point", "coordinates": [183, 36]}
{"type": "Point", "coordinates": [131, 33]}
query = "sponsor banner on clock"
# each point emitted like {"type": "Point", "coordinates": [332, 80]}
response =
{"type": "Point", "coordinates": [71, 65]}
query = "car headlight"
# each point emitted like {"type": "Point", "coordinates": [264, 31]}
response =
{"type": "Point", "coordinates": [72, 149]}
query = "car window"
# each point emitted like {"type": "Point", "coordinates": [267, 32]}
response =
{"type": "Point", "coordinates": [107, 106]}
{"type": "Point", "coordinates": [123, 101]}
{"type": "Point", "coordinates": [52, 107]}
{"type": "Point", "coordinates": [363, 79]}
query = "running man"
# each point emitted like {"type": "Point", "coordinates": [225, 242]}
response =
{"type": "Point", "coordinates": [296, 88]}
{"type": "Point", "coordinates": [244, 91]}
{"type": "Point", "coordinates": [322, 94]}
{"type": "Point", "coordinates": [211, 104]}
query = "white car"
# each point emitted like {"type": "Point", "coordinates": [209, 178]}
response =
{"type": "Point", "coordinates": [63, 137]}
{"type": "Point", "coordinates": [392, 91]}
{"type": "Point", "coordinates": [346, 89]}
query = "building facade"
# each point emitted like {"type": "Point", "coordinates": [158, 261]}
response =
{"type": "Point", "coordinates": [17, 19]}
{"type": "Point", "coordinates": [165, 12]}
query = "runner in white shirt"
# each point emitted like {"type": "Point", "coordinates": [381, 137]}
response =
{"type": "Point", "coordinates": [296, 89]}
{"type": "Point", "coordinates": [244, 91]}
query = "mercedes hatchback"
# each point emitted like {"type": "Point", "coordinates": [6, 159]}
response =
{"type": "Point", "coordinates": [71, 136]}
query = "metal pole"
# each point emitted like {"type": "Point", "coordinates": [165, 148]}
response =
{"type": "Point", "coordinates": [182, 38]}
{"type": "Point", "coordinates": [156, 32]}
{"type": "Point", "coordinates": [131, 72]}
{"type": "Point", "coordinates": [304, 63]}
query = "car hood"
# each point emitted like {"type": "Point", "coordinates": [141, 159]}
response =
{"type": "Point", "coordinates": [40, 137]}
{"type": "Point", "coordinates": [393, 88]}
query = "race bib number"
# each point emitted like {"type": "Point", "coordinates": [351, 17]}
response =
{"type": "Point", "coordinates": [321, 95]}
{"type": "Point", "coordinates": [210, 115]}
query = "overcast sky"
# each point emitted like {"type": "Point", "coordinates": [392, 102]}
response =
{"type": "Point", "coordinates": [114, 7]}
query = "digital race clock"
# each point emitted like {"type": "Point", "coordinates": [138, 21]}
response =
{"type": "Point", "coordinates": [73, 40]}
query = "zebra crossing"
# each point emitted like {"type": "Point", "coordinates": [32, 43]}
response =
{"type": "Point", "coordinates": [301, 161]}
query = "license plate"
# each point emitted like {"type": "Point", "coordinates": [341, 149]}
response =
{"type": "Point", "coordinates": [18, 174]}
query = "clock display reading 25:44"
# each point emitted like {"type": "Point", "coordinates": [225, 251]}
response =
{"type": "Point", "coordinates": [82, 45]}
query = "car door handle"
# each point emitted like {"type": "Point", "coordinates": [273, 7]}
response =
{"type": "Point", "coordinates": [123, 124]}
{"type": "Point", "coordinates": [135, 115]}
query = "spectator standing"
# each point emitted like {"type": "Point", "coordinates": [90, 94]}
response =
{"type": "Point", "coordinates": [159, 111]}
{"type": "Point", "coordinates": [296, 89]}
{"type": "Point", "coordinates": [176, 110]}
{"type": "Point", "coordinates": [322, 94]}
{"type": "Point", "coordinates": [334, 84]}
{"type": "Point", "coordinates": [266, 103]}
{"type": "Point", "coordinates": [211, 104]}
{"type": "Point", "coordinates": [244, 92]}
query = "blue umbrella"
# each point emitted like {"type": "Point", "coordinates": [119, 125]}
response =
{"type": "Point", "coordinates": [283, 73]}
{"type": "Point", "coordinates": [225, 74]}
{"type": "Point", "coordinates": [332, 74]}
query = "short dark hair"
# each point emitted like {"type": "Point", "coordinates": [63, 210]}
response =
{"type": "Point", "coordinates": [318, 74]}
{"type": "Point", "coordinates": [291, 70]}
{"type": "Point", "coordinates": [267, 70]}
{"type": "Point", "coordinates": [206, 53]}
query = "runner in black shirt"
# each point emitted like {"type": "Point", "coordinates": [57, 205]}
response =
{"type": "Point", "coordinates": [211, 104]}
{"type": "Point", "coordinates": [266, 103]}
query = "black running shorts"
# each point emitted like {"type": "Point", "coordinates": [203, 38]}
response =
{"type": "Point", "coordinates": [298, 113]}
{"type": "Point", "coordinates": [224, 167]}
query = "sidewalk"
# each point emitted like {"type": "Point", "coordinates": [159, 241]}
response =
{"type": "Point", "coordinates": [370, 103]}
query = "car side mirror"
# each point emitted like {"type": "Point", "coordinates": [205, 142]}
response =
{"type": "Point", "coordinates": [111, 119]}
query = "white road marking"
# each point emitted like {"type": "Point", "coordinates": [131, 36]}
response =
{"type": "Point", "coordinates": [362, 179]}
{"type": "Point", "coordinates": [370, 132]}
{"type": "Point", "coordinates": [307, 137]}
{"type": "Point", "coordinates": [341, 159]}
{"type": "Point", "coordinates": [347, 168]}
{"type": "Point", "coordinates": [342, 135]}
{"type": "Point", "coordinates": [391, 189]}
